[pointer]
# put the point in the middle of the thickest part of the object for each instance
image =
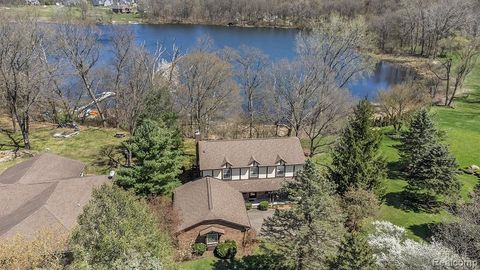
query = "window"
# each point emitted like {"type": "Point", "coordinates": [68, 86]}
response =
{"type": "Point", "coordinates": [212, 238]}
{"type": "Point", "coordinates": [254, 172]}
{"type": "Point", "coordinates": [227, 173]}
{"type": "Point", "coordinates": [281, 170]}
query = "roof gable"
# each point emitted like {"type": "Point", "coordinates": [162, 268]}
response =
{"type": "Point", "coordinates": [241, 153]}
{"type": "Point", "coordinates": [208, 199]}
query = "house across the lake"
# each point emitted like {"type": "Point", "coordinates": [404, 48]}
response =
{"type": "Point", "coordinates": [44, 192]}
{"type": "Point", "coordinates": [233, 172]}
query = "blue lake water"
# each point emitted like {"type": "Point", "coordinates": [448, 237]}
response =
{"type": "Point", "coordinates": [275, 42]}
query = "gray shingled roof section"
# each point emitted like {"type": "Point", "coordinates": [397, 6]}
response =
{"type": "Point", "coordinates": [209, 199]}
{"type": "Point", "coordinates": [258, 185]}
{"type": "Point", "coordinates": [42, 168]}
{"type": "Point", "coordinates": [239, 153]}
{"type": "Point", "coordinates": [32, 207]}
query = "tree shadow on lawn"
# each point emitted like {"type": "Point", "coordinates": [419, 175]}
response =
{"type": "Point", "coordinates": [409, 201]}
{"type": "Point", "coordinates": [424, 231]}
{"type": "Point", "coordinates": [394, 170]}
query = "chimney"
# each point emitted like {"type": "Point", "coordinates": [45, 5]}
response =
{"type": "Point", "coordinates": [198, 138]}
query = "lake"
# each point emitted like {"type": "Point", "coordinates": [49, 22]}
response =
{"type": "Point", "coordinates": [277, 43]}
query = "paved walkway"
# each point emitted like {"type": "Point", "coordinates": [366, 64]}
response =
{"type": "Point", "coordinates": [256, 217]}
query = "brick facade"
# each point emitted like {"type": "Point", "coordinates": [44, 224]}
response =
{"type": "Point", "coordinates": [240, 234]}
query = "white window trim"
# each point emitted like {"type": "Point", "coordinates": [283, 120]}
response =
{"type": "Point", "coordinates": [212, 243]}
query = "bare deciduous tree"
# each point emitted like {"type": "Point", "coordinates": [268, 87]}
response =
{"type": "Point", "coordinates": [80, 45]}
{"type": "Point", "coordinates": [205, 89]}
{"type": "Point", "coordinates": [23, 73]}
{"type": "Point", "coordinates": [400, 102]}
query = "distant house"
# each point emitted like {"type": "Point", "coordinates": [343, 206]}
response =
{"type": "Point", "coordinates": [210, 211]}
{"type": "Point", "coordinates": [45, 192]}
{"type": "Point", "coordinates": [255, 167]}
{"type": "Point", "coordinates": [102, 3]}
{"type": "Point", "coordinates": [122, 6]}
{"type": "Point", "coordinates": [32, 2]}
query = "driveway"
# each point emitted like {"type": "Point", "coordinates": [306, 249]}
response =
{"type": "Point", "coordinates": [256, 217]}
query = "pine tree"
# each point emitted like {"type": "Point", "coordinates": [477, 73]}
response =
{"type": "Point", "coordinates": [429, 167]}
{"type": "Point", "coordinates": [416, 141]}
{"type": "Point", "coordinates": [157, 160]}
{"type": "Point", "coordinates": [354, 253]}
{"type": "Point", "coordinates": [306, 235]}
{"type": "Point", "coordinates": [357, 162]}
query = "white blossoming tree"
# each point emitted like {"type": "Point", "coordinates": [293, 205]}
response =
{"type": "Point", "coordinates": [394, 251]}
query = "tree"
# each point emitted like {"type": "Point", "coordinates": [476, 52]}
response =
{"type": "Point", "coordinates": [429, 167]}
{"type": "Point", "coordinates": [358, 204]}
{"type": "Point", "coordinates": [23, 71]}
{"type": "Point", "coordinates": [400, 102]}
{"type": "Point", "coordinates": [393, 250]}
{"type": "Point", "coordinates": [357, 162]}
{"type": "Point", "coordinates": [463, 234]}
{"type": "Point", "coordinates": [115, 224]}
{"type": "Point", "coordinates": [355, 253]}
{"type": "Point", "coordinates": [205, 90]}
{"type": "Point", "coordinates": [461, 57]}
{"type": "Point", "coordinates": [250, 68]}
{"type": "Point", "coordinates": [156, 160]}
{"type": "Point", "coordinates": [79, 44]}
{"type": "Point", "coordinates": [308, 234]}
{"type": "Point", "coordinates": [136, 79]}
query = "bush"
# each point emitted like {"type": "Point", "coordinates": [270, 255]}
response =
{"type": "Point", "coordinates": [248, 205]}
{"type": "Point", "coordinates": [263, 206]}
{"type": "Point", "coordinates": [199, 248]}
{"type": "Point", "coordinates": [226, 250]}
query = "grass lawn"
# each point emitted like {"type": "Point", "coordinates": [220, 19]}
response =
{"type": "Point", "coordinates": [94, 14]}
{"type": "Point", "coordinates": [86, 146]}
{"type": "Point", "coordinates": [206, 263]}
{"type": "Point", "coordinates": [462, 133]}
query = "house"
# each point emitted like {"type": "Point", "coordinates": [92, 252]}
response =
{"type": "Point", "coordinates": [255, 167]}
{"type": "Point", "coordinates": [102, 3]}
{"type": "Point", "coordinates": [210, 211]}
{"type": "Point", "coordinates": [44, 192]}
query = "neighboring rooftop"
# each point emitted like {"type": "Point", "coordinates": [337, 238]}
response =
{"type": "Point", "coordinates": [209, 199]}
{"type": "Point", "coordinates": [42, 168]}
{"type": "Point", "coordinates": [44, 192]}
{"type": "Point", "coordinates": [241, 153]}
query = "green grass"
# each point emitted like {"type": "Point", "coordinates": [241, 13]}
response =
{"type": "Point", "coordinates": [462, 133]}
{"type": "Point", "coordinates": [206, 263]}
{"type": "Point", "coordinates": [94, 14]}
{"type": "Point", "coordinates": [86, 146]}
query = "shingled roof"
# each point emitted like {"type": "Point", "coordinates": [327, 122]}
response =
{"type": "Point", "coordinates": [241, 153]}
{"type": "Point", "coordinates": [27, 209]}
{"type": "Point", "coordinates": [42, 168]}
{"type": "Point", "coordinates": [258, 185]}
{"type": "Point", "coordinates": [209, 199]}
{"type": "Point", "coordinates": [45, 191]}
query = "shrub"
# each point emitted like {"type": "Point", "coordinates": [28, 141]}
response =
{"type": "Point", "coordinates": [263, 206]}
{"type": "Point", "coordinates": [248, 205]}
{"type": "Point", "coordinates": [199, 248]}
{"type": "Point", "coordinates": [226, 250]}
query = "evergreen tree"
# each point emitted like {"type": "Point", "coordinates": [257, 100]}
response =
{"type": "Point", "coordinates": [156, 160]}
{"type": "Point", "coordinates": [306, 235]}
{"type": "Point", "coordinates": [357, 162]}
{"type": "Point", "coordinates": [416, 141]}
{"type": "Point", "coordinates": [429, 167]}
{"type": "Point", "coordinates": [354, 253]}
{"type": "Point", "coordinates": [114, 226]}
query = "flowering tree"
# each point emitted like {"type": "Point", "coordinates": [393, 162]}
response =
{"type": "Point", "coordinates": [394, 251]}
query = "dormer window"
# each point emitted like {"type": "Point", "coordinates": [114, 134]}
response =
{"type": "Point", "coordinates": [254, 170]}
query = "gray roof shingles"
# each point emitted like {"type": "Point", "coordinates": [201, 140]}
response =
{"type": "Point", "coordinates": [241, 153]}
{"type": "Point", "coordinates": [35, 196]}
{"type": "Point", "coordinates": [209, 199]}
